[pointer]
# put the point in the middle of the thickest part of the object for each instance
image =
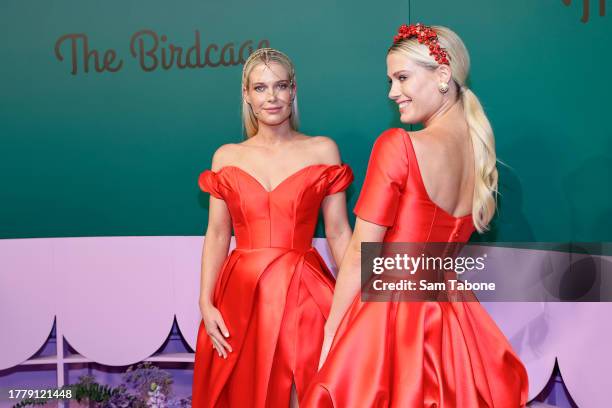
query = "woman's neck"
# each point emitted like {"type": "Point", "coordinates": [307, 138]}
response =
{"type": "Point", "coordinates": [270, 135]}
{"type": "Point", "coordinates": [449, 113]}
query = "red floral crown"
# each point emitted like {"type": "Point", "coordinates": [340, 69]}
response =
{"type": "Point", "coordinates": [425, 35]}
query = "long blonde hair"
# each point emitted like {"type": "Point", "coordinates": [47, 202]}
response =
{"type": "Point", "coordinates": [266, 56]}
{"type": "Point", "coordinates": [484, 201]}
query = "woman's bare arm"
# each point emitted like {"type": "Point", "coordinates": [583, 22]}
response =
{"type": "Point", "coordinates": [214, 252]}
{"type": "Point", "coordinates": [337, 228]}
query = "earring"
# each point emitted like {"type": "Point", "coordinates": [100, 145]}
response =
{"type": "Point", "coordinates": [443, 87]}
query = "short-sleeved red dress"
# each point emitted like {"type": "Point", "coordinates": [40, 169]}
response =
{"type": "Point", "coordinates": [274, 290]}
{"type": "Point", "coordinates": [415, 354]}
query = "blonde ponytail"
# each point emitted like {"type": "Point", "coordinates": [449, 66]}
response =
{"type": "Point", "coordinates": [484, 202]}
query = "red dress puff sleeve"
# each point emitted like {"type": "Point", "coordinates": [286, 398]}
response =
{"type": "Point", "coordinates": [385, 179]}
{"type": "Point", "coordinates": [339, 178]}
{"type": "Point", "coordinates": [209, 183]}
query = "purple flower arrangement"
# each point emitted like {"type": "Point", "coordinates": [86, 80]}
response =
{"type": "Point", "coordinates": [143, 386]}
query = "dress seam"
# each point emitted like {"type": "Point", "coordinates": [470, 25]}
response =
{"type": "Point", "coordinates": [296, 203]}
{"type": "Point", "coordinates": [433, 219]}
{"type": "Point", "coordinates": [242, 210]}
{"type": "Point", "coordinates": [404, 136]}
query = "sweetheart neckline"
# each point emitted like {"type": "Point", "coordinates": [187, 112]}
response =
{"type": "Point", "coordinates": [295, 173]}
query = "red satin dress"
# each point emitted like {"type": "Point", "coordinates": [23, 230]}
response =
{"type": "Point", "coordinates": [274, 290]}
{"type": "Point", "coordinates": [415, 354]}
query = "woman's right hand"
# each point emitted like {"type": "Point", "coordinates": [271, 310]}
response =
{"type": "Point", "coordinates": [216, 329]}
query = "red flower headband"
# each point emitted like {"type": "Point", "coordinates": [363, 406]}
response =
{"type": "Point", "coordinates": [425, 35]}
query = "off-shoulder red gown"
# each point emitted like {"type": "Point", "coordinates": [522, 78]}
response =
{"type": "Point", "coordinates": [415, 354]}
{"type": "Point", "coordinates": [274, 290]}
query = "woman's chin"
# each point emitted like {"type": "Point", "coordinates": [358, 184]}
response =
{"type": "Point", "coordinates": [273, 120]}
{"type": "Point", "coordinates": [407, 119]}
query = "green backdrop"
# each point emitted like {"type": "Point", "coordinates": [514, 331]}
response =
{"type": "Point", "coordinates": [118, 153]}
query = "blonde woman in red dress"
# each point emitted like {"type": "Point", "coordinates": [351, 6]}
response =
{"type": "Point", "coordinates": [264, 306]}
{"type": "Point", "coordinates": [438, 184]}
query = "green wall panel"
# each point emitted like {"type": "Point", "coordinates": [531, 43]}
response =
{"type": "Point", "coordinates": [118, 153]}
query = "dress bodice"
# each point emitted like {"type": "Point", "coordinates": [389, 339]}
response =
{"type": "Point", "coordinates": [284, 217]}
{"type": "Point", "coordinates": [393, 194]}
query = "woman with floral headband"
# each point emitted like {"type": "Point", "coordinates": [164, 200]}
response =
{"type": "Point", "coordinates": [264, 306]}
{"type": "Point", "coordinates": [438, 184]}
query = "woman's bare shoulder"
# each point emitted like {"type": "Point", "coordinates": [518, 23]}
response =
{"type": "Point", "coordinates": [431, 141]}
{"type": "Point", "coordinates": [324, 150]}
{"type": "Point", "coordinates": [421, 136]}
{"type": "Point", "coordinates": [225, 155]}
